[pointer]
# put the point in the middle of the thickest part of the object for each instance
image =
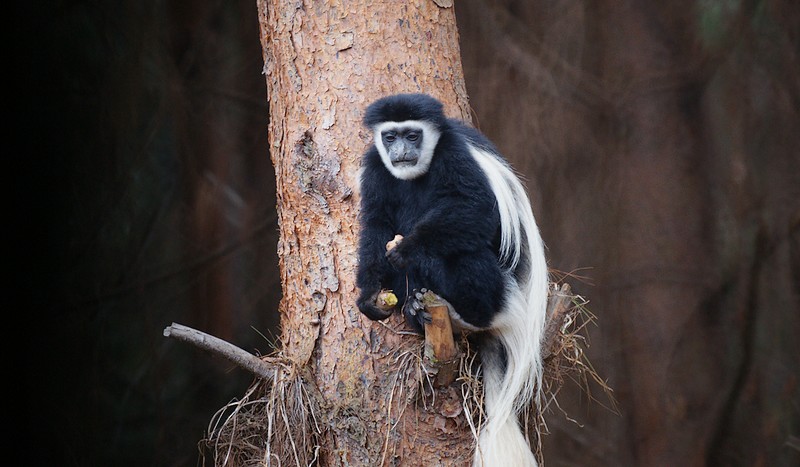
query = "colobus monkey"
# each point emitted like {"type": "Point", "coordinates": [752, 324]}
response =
{"type": "Point", "coordinates": [468, 235]}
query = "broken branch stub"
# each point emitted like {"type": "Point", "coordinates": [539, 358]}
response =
{"type": "Point", "coordinates": [441, 352]}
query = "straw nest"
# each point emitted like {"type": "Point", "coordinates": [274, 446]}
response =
{"type": "Point", "coordinates": [283, 420]}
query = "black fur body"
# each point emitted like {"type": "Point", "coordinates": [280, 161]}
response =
{"type": "Point", "coordinates": [469, 235]}
{"type": "Point", "coordinates": [450, 226]}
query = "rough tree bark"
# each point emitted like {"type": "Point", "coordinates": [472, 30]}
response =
{"type": "Point", "coordinates": [324, 63]}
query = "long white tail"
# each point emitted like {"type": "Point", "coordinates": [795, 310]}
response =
{"type": "Point", "coordinates": [513, 374]}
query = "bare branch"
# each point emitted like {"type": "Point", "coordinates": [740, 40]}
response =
{"type": "Point", "coordinates": [223, 348]}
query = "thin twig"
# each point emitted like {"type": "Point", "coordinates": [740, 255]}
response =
{"type": "Point", "coordinates": [223, 348]}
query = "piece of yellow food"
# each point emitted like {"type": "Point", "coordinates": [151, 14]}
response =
{"type": "Point", "coordinates": [386, 300]}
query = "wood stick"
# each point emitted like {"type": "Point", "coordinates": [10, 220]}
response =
{"type": "Point", "coordinates": [441, 352]}
{"type": "Point", "coordinates": [223, 348]}
{"type": "Point", "coordinates": [558, 306]}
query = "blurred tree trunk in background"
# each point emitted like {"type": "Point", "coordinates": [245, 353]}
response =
{"type": "Point", "coordinates": [324, 64]}
{"type": "Point", "coordinates": [146, 127]}
{"type": "Point", "coordinates": [662, 139]}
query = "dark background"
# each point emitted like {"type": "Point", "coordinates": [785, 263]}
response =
{"type": "Point", "coordinates": [661, 144]}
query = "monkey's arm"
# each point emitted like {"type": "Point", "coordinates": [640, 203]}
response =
{"type": "Point", "coordinates": [374, 269]}
{"type": "Point", "coordinates": [455, 225]}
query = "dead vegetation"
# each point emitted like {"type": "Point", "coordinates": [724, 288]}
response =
{"type": "Point", "coordinates": [282, 419]}
{"type": "Point", "coordinates": [278, 422]}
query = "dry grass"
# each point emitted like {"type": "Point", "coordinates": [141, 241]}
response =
{"type": "Point", "coordinates": [278, 422]}
{"type": "Point", "coordinates": [568, 362]}
{"type": "Point", "coordinates": [283, 421]}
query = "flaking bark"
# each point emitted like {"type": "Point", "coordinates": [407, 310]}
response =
{"type": "Point", "coordinates": [324, 64]}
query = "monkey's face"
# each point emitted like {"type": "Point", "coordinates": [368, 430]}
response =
{"type": "Point", "coordinates": [403, 146]}
{"type": "Point", "coordinates": [406, 148]}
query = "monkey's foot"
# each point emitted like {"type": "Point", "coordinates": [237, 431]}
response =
{"type": "Point", "coordinates": [414, 310]}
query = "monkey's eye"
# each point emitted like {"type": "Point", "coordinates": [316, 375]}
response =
{"type": "Point", "coordinates": [413, 136]}
{"type": "Point", "coordinates": [389, 137]}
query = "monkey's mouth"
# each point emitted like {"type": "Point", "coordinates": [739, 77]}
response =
{"type": "Point", "coordinates": [405, 161]}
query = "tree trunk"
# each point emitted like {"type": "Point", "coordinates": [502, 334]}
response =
{"type": "Point", "coordinates": [324, 64]}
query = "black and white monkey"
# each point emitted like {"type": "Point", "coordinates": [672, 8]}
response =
{"type": "Point", "coordinates": [469, 236]}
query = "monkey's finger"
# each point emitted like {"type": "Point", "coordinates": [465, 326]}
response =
{"type": "Point", "coordinates": [426, 317]}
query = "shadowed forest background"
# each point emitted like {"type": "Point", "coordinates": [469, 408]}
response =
{"type": "Point", "coordinates": [660, 142]}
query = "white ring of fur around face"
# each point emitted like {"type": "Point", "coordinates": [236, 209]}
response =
{"type": "Point", "coordinates": [430, 136]}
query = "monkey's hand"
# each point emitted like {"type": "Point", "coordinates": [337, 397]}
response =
{"type": "Point", "coordinates": [414, 311]}
{"type": "Point", "coordinates": [394, 254]}
{"type": "Point", "coordinates": [394, 242]}
{"type": "Point", "coordinates": [396, 258]}
{"type": "Point", "coordinates": [367, 304]}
